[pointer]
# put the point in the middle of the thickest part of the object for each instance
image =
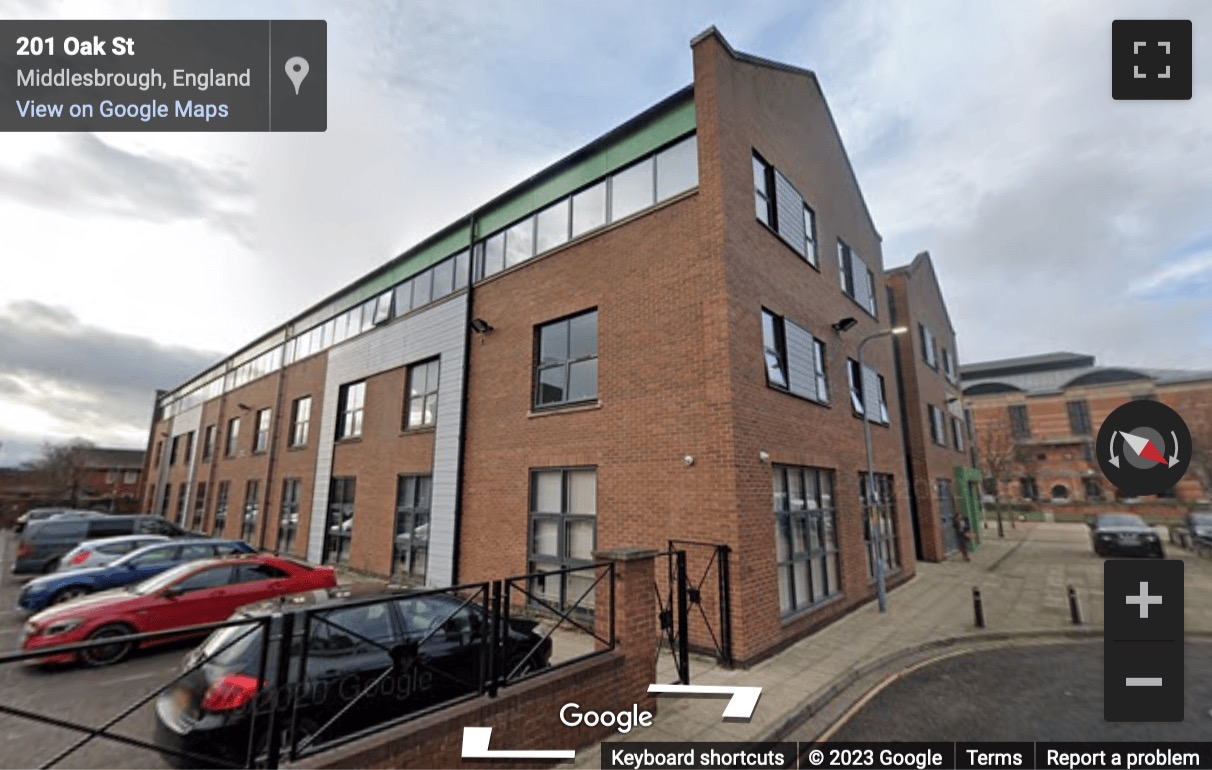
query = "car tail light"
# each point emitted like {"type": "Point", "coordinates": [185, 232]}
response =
{"type": "Point", "coordinates": [24, 549]}
{"type": "Point", "coordinates": [231, 692]}
{"type": "Point", "coordinates": [80, 558]}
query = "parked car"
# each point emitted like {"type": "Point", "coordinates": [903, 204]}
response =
{"type": "Point", "coordinates": [98, 553]}
{"type": "Point", "coordinates": [1124, 533]}
{"type": "Point", "coordinates": [134, 567]}
{"type": "Point", "coordinates": [40, 514]}
{"type": "Point", "coordinates": [44, 542]}
{"type": "Point", "coordinates": [196, 593]}
{"type": "Point", "coordinates": [353, 639]}
{"type": "Point", "coordinates": [1199, 524]}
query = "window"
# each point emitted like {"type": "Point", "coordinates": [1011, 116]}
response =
{"type": "Point", "coordinates": [288, 522]}
{"type": "Point", "coordinates": [567, 369]}
{"type": "Point", "coordinates": [261, 440]}
{"type": "Point", "coordinates": [563, 534]}
{"type": "Point", "coordinates": [199, 507]}
{"type": "Point", "coordinates": [189, 448]}
{"type": "Point", "coordinates": [519, 242]}
{"type": "Point", "coordinates": [870, 298]}
{"type": "Point", "coordinates": [677, 168]}
{"type": "Point", "coordinates": [810, 236]}
{"type": "Point", "coordinates": [443, 279]}
{"type": "Point", "coordinates": [1094, 490]}
{"type": "Point", "coordinates": [957, 434]}
{"type": "Point", "coordinates": [172, 453]}
{"type": "Point", "coordinates": [632, 190]}
{"type": "Point", "coordinates": [845, 267]}
{"type": "Point", "coordinates": [929, 350]}
{"type": "Point", "coordinates": [883, 395]}
{"type": "Point", "coordinates": [762, 198]}
{"type": "Point", "coordinates": [461, 262]}
{"type": "Point", "coordinates": [382, 308]}
{"type": "Point", "coordinates": [1020, 426]}
{"type": "Point", "coordinates": [492, 257]}
{"type": "Point", "coordinates": [948, 365]}
{"type": "Point", "coordinates": [411, 545]}
{"type": "Point", "coordinates": [775, 344]}
{"type": "Point", "coordinates": [855, 378]}
{"type": "Point", "coordinates": [822, 382]}
{"type": "Point", "coordinates": [164, 501]}
{"type": "Point", "coordinates": [868, 393]}
{"type": "Point", "coordinates": [879, 518]}
{"type": "Point", "coordinates": [182, 502]}
{"type": "Point", "coordinates": [205, 579]}
{"type": "Point", "coordinates": [422, 289]}
{"type": "Point", "coordinates": [421, 409]}
{"type": "Point", "coordinates": [158, 453]}
{"type": "Point", "coordinates": [339, 526]}
{"type": "Point", "coordinates": [252, 507]}
{"type": "Point", "coordinates": [251, 573]}
{"type": "Point", "coordinates": [589, 209]}
{"type": "Point", "coordinates": [1027, 489]}
{"type": "Point", "coordinates": [300, 420]}
{"type": "Point", "coordinates": [130, 477]}
{"type": "Point", "coordinates": [221, 508]}
{"type": "Point", "coordinates": [233, 436]}
{"type": "Point", "coordinates": [1088, 452]}
{"type": "Point", "coordinates": [403, 298]}
{"type": "Point", "coordinates": [1079, 418]}
{"type": "Point", "coordinates": [350, 402]}
{"type": "Point", "coordinates": [805, 537]}
{"type": "Point", "coordinates": [551, 228]}
{"type": "Point", "coordinates": [938, 429]}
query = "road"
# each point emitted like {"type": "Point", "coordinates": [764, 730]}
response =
{"type": "Point", "coordinates": [89, 697]}
{"type": "Point", "coordinates": [1037, 693]}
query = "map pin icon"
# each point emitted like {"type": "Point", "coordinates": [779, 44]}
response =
{"type": "Point", "coordinates": [296, 70]}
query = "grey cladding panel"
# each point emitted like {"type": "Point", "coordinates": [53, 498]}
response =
{"type": "Point", "coordinates": [791, 212]}
{"type": "Point", "coordinates": [800, 360]}
{"type": "Point", "coordinates": [871, 394]}
{"type": "Point", "coordinates": [862, 291]}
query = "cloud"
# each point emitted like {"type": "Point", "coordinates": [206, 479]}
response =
{"type": "Point", "coordinates": [61, 378]}
{"type": "Point", "coordinates": [88, 175]}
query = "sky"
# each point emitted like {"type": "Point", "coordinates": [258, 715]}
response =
{"type": "Point", "coordinates": [984, 132]}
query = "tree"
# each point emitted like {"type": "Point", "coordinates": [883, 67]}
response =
{"type": "Point", "coordinates": [1000, 460]}
{"type": "Point", "coordinates": [63, 466]}
{"type": "Point", "coordinates": [1201, 454]}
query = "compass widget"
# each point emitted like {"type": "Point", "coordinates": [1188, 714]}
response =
{"type": "Point", "coordinates": [1143, 448]}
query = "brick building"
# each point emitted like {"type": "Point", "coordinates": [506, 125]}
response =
{"type": "Point", "coordinates": [1035, 419]}
{"type": "Point", "coordinates": [936, 435]}
{"type": "Point", "coordinates": [86, 477]}
{"type": "Point", "coordinates": [655, 338]}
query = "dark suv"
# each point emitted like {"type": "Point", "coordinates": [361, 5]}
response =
{"type": "Point", "coordinates": [43, 542]}
{"type": "Point", "coordinates": [376, 653]}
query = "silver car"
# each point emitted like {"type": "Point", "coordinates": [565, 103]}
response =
{"type": "Point", "coordinates": [100, 552]}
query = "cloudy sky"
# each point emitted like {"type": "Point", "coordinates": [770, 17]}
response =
{"type": "Point", "coordinates": [1058, 218]}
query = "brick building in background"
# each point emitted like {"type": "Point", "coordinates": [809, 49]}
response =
{"type": "Point", "coordinates": [655, 338]}
{"type": "Point", "coordinates": [85, 477]}
{"type": "Point", "coordinates": [1035, 420]}
{"type": "Point", "coordinates": [941, 479]}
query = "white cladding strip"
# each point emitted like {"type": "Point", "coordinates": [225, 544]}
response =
{"type": "Point", "coordinates": [179, 425]}
{"type": "Point", "coordinates": [436, 331]}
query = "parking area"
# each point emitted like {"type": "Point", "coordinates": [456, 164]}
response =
{"type": "Point", "coordinates": [89, 697]}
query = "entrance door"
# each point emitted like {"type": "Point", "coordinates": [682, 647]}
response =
{"type": "Point", "coordinates": [946, 515]}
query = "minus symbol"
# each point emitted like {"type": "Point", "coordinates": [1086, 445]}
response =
{"type": "Point", "coordinates": [1143, 681]}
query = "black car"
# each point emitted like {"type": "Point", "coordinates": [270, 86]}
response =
{"type": "Point", "coordinates": [388, 653]}
{"type": "Point", "coordinates": [44, 541]}
{"type": "Point", "coordinates": [1124, 534]}
{"type": "Point", "coordinates": [1199, 524]}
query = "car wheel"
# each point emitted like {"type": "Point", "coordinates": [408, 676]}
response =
{"type": "Point", "coordinates": [106, 654]}
{"type": "Point", "coordinates": [1099, 551]}
{"type": "Point", "coordinates": [1160, 553]}
{"type": "Point", "coordinates": [69, 593]}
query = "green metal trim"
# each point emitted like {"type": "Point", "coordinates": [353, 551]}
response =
{"type": "Point", "coordinates": [970, 504]}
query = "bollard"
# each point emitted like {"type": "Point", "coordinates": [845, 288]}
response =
{"type": "Point", "coordinates": [1075, 611]}
{"type": "Point", "coordinates": [978, 610]}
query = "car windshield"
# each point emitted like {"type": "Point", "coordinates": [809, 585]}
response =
{"type": "Point", "coordinates": [1202, 519]}
{"type": "Point", "coordinates": [1120, 520]}
{"type": "Point", "coordinates": [163, 580]}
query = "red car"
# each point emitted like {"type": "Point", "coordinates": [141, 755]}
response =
{"type": "Point", "coordinates": [205, 591]}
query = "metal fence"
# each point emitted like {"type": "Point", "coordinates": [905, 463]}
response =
{"type": "Point", "coordinates": [443, 647]}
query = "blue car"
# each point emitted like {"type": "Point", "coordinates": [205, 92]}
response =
{"type": "Point", "coordinates": [135, 567]}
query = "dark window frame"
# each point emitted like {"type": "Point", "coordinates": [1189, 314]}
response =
{"type": "Point", "coordinates": [1020, 421]}
{"type": "Point", "coordinates": [222, 501]}
{"type": "Point", "coordinates": [288, 517]}
{"type": "Point", "coordinates": [261, 437]}
{"type": "Point", "coordinates": [778, 351]}
{"type": "Point", "coordinates": [426, 397]}
{"type": "Point", "coordinates": [300, 421]}
{"type": "Point", "coordinates": [342, 498]}
{"type": "Point", "coordinates": [766, 195]}
{"type": "Point", "coordinates": [820, 551]}
{"type": "Point", "coordinates": [232, 442]}
{"type": "Point", "coordinates": [884, 509]}
{"type": "Point", "coordinates": [414, 511]}
{"type": "Point", "coordinates": [563, 520]}
{"type": "Point", "coordinates": [208, 443]}
{"type": "Point", "coordinates": [1079, 417]}
{"type": "Point", "coordinates": [351, 418]}
{"type": "Point", "coordinates": [566, 365]}
{"type": "Point", "coordinates": [252, 510]}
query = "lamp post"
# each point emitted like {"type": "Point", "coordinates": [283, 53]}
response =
{"type": "Point", "coordinates": [876, 527]}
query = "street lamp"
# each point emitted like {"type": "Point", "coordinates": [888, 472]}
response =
{"type": "Point", "coordinates": [877, 529]}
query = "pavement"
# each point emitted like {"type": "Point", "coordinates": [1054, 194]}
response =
{"type": "Point", "coordinates": [1023, 579]}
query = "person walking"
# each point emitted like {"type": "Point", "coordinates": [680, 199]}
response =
{"type": "Point", "coordinates": [963, 531]}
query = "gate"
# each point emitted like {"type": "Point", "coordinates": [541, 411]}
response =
{"type": "Point", "coordinates": [946, 513]}
{"type": "Point", "coordinates": [694, 609]}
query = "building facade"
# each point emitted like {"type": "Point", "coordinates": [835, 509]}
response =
{"type": "Point", "coordinates": [1035, 420]}
{"type": "Point", "coordinates": [940, 477]}
{"type": "Point", "coordinates": [82, 477]}
{"type": "Point", "coordinates": [641, 343]}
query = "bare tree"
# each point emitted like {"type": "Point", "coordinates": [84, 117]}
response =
{"type": "Point", "coordinates": [63, 466]}
{"type": "Point", "coordinates": [1000, 460]}
{"type": "Point", "coordinates": [1201, 454]}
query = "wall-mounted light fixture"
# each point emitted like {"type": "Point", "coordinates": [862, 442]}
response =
{"type": "Point", "coordinates": [689, 460]}
{"type": "Point", "coordinates": [845, 325]}
{"type": "Point", "coordinates": [480, 326]}
{"type": "Point", "coordinates": [244, 406]}
{"type": "Point", "coordinates": [763, 456]}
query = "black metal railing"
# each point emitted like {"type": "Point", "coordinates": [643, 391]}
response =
{"type": "Point", "coordinates": [289, 718]}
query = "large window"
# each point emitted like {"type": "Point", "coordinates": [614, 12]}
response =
{"type": "Point", "coordinates": [252, 508]}
{"type": "Point", "coordinates": [632, 190]}
{"type": "Point", "coordinates": [221, 508]}
{"type": "Point", "coordinates": [938, 428]}
{"type": "Point", "coordinates": [845, 266]}
{"type": "Point", "coordinates": [948, 365]}
{"type": "Point", "coordinates": [567, 368]}
{"type": "Point", "coordinates": [208, 443]}
{"type": "Point", "coordinates": [763, 200]}
{"type": "Point", "coordinates": [351, 400]}
{"type": "Point", "coordinates": [166, 501]}
{"type": "Point", "coordinates": [233, 436]}
{"type": "Point", "coordinates": [805, 536]}
{"type": "Point", "coordinates": [339, 527]}
{"type": "Point", "coordinates": [1079, 418]}
{"type": "Point", "coordinates": [868, 393]}
{"type": "Point", "coordinates": [188, 448]}
{"type": "Point", "coordinates": [172, 452]}
{"type": "Point", "coordinates": [300, 421]}
{"type": "Point", "coordinates": [1020, 425]}
{"type": "Point", "coordinates": [411, 545]}
{"type": "Point", "coordinates": [288, 522]}
{"type": "Point", "coordinates": [775, 343]}
{"type": "Point", "coordinates": [261, 440]}
{"type": "Point", "coordinates": [879, 518]}
{"type": "Point", "coordinates": [810, 236]}
{"type": "Point", "coordinates": [589, 209]}
{"type": "Point", "coordinates": [929, 348]}
{"type": "Point", "coordinates": [422, 408]}
{"type": "Point", "coordinates": [182, 502]}
{"type": "Point", "coordinates": [563, 533]}
{"type": "Point", "coordinates": [199, 507]}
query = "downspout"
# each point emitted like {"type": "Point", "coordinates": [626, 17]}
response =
{"type": "Point", "coordinates": [459, 486]}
